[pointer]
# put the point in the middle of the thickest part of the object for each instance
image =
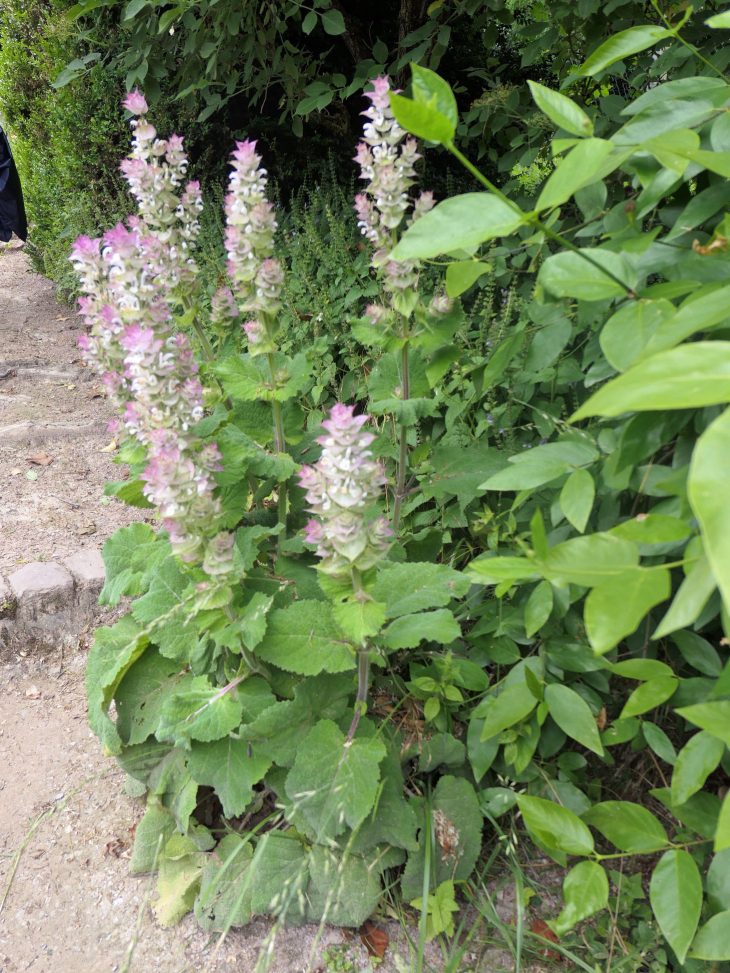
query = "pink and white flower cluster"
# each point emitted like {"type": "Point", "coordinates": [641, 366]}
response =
{"type": "Point", "coordinates": [387, 162]}
{"type": "Point", "coordinates": [257, 276]}
{"type": "Point", "coordinates": [130, 278]}
{"type": "Point", "coordinates": [340, 488]}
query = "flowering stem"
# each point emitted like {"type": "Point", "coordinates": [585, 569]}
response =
{"type": "Point", "coordinates": [363, 679]}
{"type": "Point", "coordinates": [403, 450]}
{"type": "Point", "coordinates": [280, 444]}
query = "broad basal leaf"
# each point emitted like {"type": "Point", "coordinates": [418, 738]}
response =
{"type": "Point", "coordinates": [128, 554]}
{"type": "Point", "coordinates": [414, 586]}
{"type": "Point", "coordinates": [333, 785]}
{"type": "Point", "coordinates": [114, 650]}
{"type": "Point", "coordinates": [228, 766]}
{"type": "Point", "coordinates": [143, 691]}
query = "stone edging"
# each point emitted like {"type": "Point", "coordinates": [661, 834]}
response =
{"type": "Point", "coordinates": [47, 603]}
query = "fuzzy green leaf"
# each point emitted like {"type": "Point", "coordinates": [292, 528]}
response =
{"type": "Point", "coordinates": [415, 586]}
{"type": "Point", "coordinates": [306, 639]}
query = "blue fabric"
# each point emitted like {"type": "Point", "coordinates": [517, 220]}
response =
{"type": "Point", "coordinates": [12, 209]}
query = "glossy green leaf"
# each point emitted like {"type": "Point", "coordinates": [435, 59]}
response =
{"type": "Point", "coordinates": [719, 20]}
{"type": "Point", "coordinates": [697, 313]}
{"type": "Point", "coordinates": [494, 570]}
{"type": "Point", "coordinates": [408, 631]}
{"type": "Point", "coordinates": [333, 22]}
{"type": "Point", "coordinates": [573, 715]}
{"type": "Point", "coordinates": [649, 695]}
{"type": "Point", "coordinates": [708, 474]}
{"type": "Point", "coordinates": [536, 466]}
{"type": "Point", "coordinates": [538, 607]}
{"type": "Point", "coordinates": [462, 274]}
{"type": "Point", "coordinates": [722, 835]}
{"type": "Point", "coordinates": [615, 608]}
{"type": "Point", "coordinates": [630, 827]}
{"type": "Point", "coordinates": [690, 599]}
{"type": "Point", "coordinates": [659, 742]}
{"type": "Point", "coordinates": [500, 712]}
{"type": "Point", "coordinates": [481, 752]}
{"type": "Point", "coordinates": [652, 529]}
{"type": "Point", "coordinates": [640, 669]}
{"type": "Point", "coordinates": [700, 812]}
{"type": "Point", "coordinates": [626, 333]}
{"type": "Point", "coordinates": [675, 892]}
{"type": "Point", "coordinates": [712, 716]}
{"type": "Point", "coordinates": [590, 560]}
{"type": "Point", "coordinates": [698, 653]}
{"type": "Point", "coordinates": [712, 941]}
{"type": "Point", "coordinates": [458, 222]}
{"type": "Point", "coordinates": [582, 164]}
{"type": "Point", "coordinates": [585, 890]}
{"type": "Point", "coordinates": [556, 826]}
{"type": "Point", "coordinates": [568, 274]}
{"type": "Point", "coordinates": [422, 120]}
{"type": "Point", "coordinates": [688, 377]}
{"type": "Point", "coordinates": [576, 498]}
{"type": "Point", "coordinates": [621, 45]}
{"type": "Point", "coordinates": [718, 882]}
{"type": "Point", "coordinates": [561, 110]}
{"type": "Point", "coordinates": [431, 89]}
{"type": "Point", "coordinates": [695, 762]}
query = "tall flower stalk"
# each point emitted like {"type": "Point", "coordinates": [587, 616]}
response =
{"type": "Point", "coordinates": [341, 489]}
{"type": "Point", "coordinates": [387, 159]}
{"type": "Point", "coordinates": [131, 279]}
{"type": "Point", "coordinates": [257, 277]}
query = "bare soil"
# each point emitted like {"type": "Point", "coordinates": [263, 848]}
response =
{"type": "Point", "coordinates": [67, 900]}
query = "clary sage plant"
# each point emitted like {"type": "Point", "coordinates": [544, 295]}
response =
{"type": "Point", "coordinates": [433, 622]}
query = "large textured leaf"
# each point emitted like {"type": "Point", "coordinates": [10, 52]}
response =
{"type": "Point", "coordinates": [227, 766]}
{"type": "Point", "coordinates": [306, 639]}
{"type": "Point", "coordinates": [226, 886]}
{"type": "Point", "coordinates": [461, 221]}
{"type": "Point", "coordinates": [249, 378]}
{"type": "Point", "coordinates": [457, 823]}
{"type": "Point", "coordinates": [201, 712]}
{"type": "Point", "coordinates": [688, 377]}
{"type": "Point", "coordinates": [412, 587]}
{"type": "Point", "coordinates": [143, 691]}
{"type": "Point", "coordinates": [334, 785]}
{"type": "Point", "coordinates": [128, 554]}
{"type": "Point", "coordinates": [461, 472]}
{"type": "Point", "coordinates": [392, 820]}
{"type": "Point", "coordinates": [676, 898]}
{"type": "Point", "coordinates": [573, 715]}
{"type": "Point", "coordinates": [585, 889]}
{"type": "Point", "coordinates": [615, 608]}
{"type": "Point", "coordinates": [178, 881]}
{"type": "Point", "coordinates": [114, 651]}
{"type": "Point", "coordinates": [174, 635]}
{"type": "Point", "coordinates": [706, 482]}
{"type": "Point", "coordinates": [631, 827]}
{"type": "Point", "coordinates": [279, 730]}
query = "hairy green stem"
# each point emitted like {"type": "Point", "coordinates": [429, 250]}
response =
{"type": "Point", "coordinates": [280, 444]}
{"type": "Point", "coordinates": [403, 446]}
{"type": "Point", "coordinates": [535, 220]}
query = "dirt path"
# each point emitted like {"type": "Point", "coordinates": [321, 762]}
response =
{"type": "Point", "coordinates": [49, 404]}
{"type": "Point", "coordinates": [71, 903]}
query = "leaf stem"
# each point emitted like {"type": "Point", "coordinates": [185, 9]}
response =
{"type": "Point", "coordinates": [534, 220]}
